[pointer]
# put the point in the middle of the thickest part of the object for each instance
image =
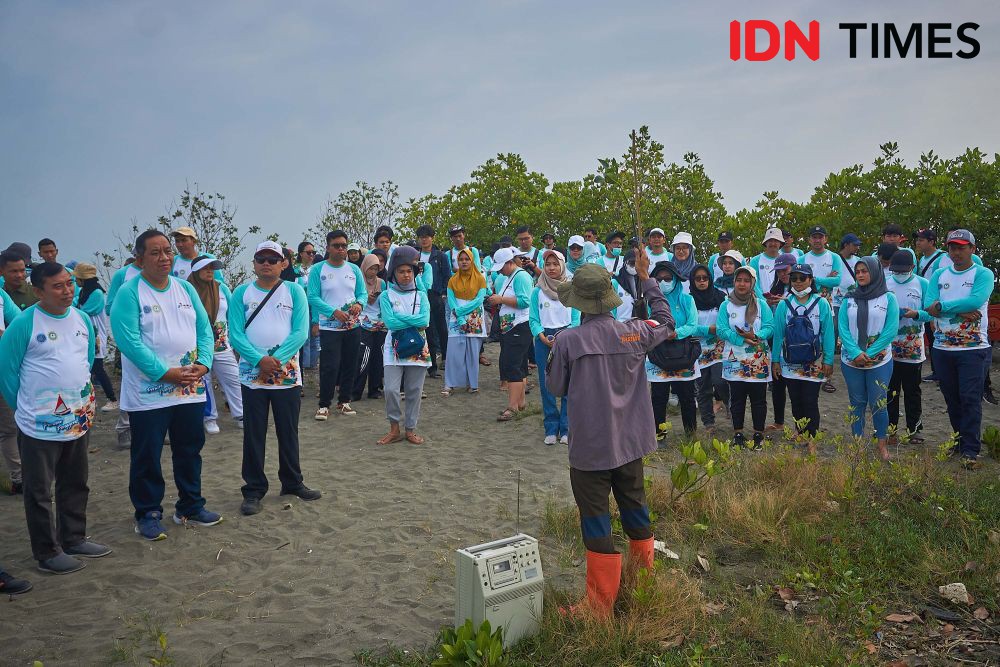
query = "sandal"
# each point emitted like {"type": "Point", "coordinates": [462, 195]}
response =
{"type": "Point", "coordinates": [389, 438]}
{"type": "Point", "coordinates": [507, 415]}
{"type": "Point", "coordinates": [775, 427]}
{"type": "Point", "coordinates": [446, 392]}
{"type": "Point", "coordinates": [414, 438]}
{"type": "Point", "coordinates": [828, 387]}
{"type": "Point", "coordinates": [473, 390]}
{"type": "Point", "coordinates": [483, 361]}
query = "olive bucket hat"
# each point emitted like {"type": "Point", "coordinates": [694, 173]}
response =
{"type": "Point", "coordinates": [590, 291]}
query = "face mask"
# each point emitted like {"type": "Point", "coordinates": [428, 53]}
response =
{"type": "Point", "coordinates": [902, 277]}
{"type": "Point", "coordinates": [667, 286]}
{"type": "Point", "coordinates": [617, 252]}
{"type": "Point", "coordinates": [630, 269]}
{"type": "Point", "coordinates": [800, 292]}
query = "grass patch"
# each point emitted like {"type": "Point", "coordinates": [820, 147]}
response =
{"type": "Point", "coordinates": [808, 555]}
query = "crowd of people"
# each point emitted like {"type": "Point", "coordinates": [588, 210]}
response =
{"type": "Point", "coordinates": [375, 323]}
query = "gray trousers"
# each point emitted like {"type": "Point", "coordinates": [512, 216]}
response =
{"type": "Point", "coordinates": [8, 442]}
{"type": "Point", "coordinates": [65, 463]}
{"type": "Point", "coordinates": [412, 378]}
{"type": "Point", "coordinates": [122, 425]}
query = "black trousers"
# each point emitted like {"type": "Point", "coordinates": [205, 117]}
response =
{"type": "Point", "coordinates": [338, 364]}
{"type": "Point", "coordinates": [42, 462]}
{"type": "Point", "coordinates": [659, 392]}
{"type": "Point", "coordinates": [804, 396]}
{"type": "Point", "coordinates": [778, 397]}
{"type": "Point", "coordinates": [284, 404]}
{"type": "Point", "coordinates": [437, 331]}
{"type": "Point", "coordinates": [185, 424]}
{"type": "Point", "coordinates": [370, 363]}
{"type": "Point", "coordinates": [99, 375]}
{"type": "Point", "coordinates": [906, 380]}
{"type": "Point", "coordinates": [591, 489]}
{"type": "Point", "coordinates": [757, 393]}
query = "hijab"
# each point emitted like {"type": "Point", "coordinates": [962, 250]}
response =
{"type": "Point", "coordinates": [862, 295]}
{"type": "Point", "coordinates": [685, 267]}
{"type": "Point", "coordinates": [208, 292]}
{"type": "Point", "coordinates": [88, 287]}
{"type": "Point", "coordinates": [404, 255]}
{"type": "Point", "coordinates": [573, 264]}
{"type": "Point", "coordinates": [709, 298]}
{"type": "Point", "coordinates": [372, 284]}
{"type": "Point", "coordinates": [466, 283]}
{"type": "Point", "coordinates": [750, 300]}
{"type": "Point", "coordinates": [551, 285]}
{"type": "Point", "coordinates": [628, 282]}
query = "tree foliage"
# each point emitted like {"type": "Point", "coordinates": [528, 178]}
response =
{"type": "Point", "coordinates": [360, 211]}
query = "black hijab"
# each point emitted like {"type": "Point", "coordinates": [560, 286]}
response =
{"type": "Point", "coordinates": [709, 298]}
{"type": "Point", "coordinates": [88, 287]}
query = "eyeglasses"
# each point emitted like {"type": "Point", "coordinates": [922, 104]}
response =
{"type": "Point", "coordinates": [308, 252]}
{"type": "Point", "coordinates": [267, 260]}
{"type": "Point", "coordinates": [338, 246]}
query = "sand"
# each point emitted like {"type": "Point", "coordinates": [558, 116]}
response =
{"type": "Point", "coordinates": [309, 583]}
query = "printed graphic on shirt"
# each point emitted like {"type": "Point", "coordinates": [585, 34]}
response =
{"type": "Point", "coordinates": [960, 333]}
{"type": "Point", "coordinates": [656, 374]}
{"type": "Point", "coordinates": [64, 413]}
{"type": "Point", "coordinates": [288, 376]}
{"type": "Point", "coordinates": [166, 389]}
{"type": "Point", "coordinates": [748, 362]}
{"type": "Point", "coordinates": [470, 325]}
{"type": "Point", "coordinates": [507, 322]}
{"type": "Point", "coordinates": [421, 357]}
{"type": "Point", "coordinates": [333, 323]}
{"type": "Point", "coordinates": [712, 353]}
{"type": "Point", "coordinates": [879, 356]}
{"type": "Point", "coordinates": [221, 332]}
{"type": "Point", "coordinates": [812, 370]}
{"type": "Point", "coordinates": [909, 343]}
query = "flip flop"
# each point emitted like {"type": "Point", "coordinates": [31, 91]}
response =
{"type": "Point", "coordinates": [507, 415]}
{"type": "Point", "coordinates": [388, 439]}
{"type": "Point", "coordinates": [414, 438]}
{"type": "Point", "coordinates": [485, 362]}
{"type": "Point", "coordinates": [829, 388]}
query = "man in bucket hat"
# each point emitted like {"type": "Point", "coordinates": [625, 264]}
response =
{"type": "Point", "coordinates": [600, 367]}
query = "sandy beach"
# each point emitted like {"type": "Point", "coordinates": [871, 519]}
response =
{"type": "Point", "coordinates": [310, 583]}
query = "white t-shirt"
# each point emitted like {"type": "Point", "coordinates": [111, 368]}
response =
{"type": "Point", "coordinates": [337, 287]}
{"type": "Point", "coordinates": [552, 313]}
{"type": "Point", "coordinates": [765, 271]}
{"type": "Point", "coordinates": [711, 345]}
{"type": "Point", "coordinates": [221, 323]}
{"type": "Point", "coordinates": [404, 303]}
{"type": "Point", "coordinates": [664, 256]}
{"type": "Point", "coordinates": [268, 331]}
{"type": "Point", "coordinates": [182, 267]}
{"type": "Point", "coordinates": [613, 264]}
{"type": "Point", "coordinates": [908, 346]}
{"type": "Point", "coordinates": [952, 332]}
{"type": "Point", "coordinates": [878, 308]}
{"type": "Point", "coordinates": [744, 363]}
{"type": "Point", "coordinates": [55, 400]}
{"type": "Point", "coordinates": [472, 325]}
{"type": "Point", "coordinates": [846, 280]}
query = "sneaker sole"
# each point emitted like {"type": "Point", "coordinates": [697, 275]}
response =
{"type": "Point", "coordinates": [5, 591]}
{"type": "Point", "coordinates": [48, 571]}
{"type": "Point", "coordinates": [180, 521]}
{"type": "Point", "coordinates": [161, 536]}
{"type": "Point", "coordinates": [91, 556]}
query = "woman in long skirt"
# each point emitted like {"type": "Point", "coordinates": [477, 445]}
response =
{"type": "Point", "coordinates": [466, 325]}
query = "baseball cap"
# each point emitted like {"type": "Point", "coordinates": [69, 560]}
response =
{"type": "Point", "coordinates": [667, 265]}
{"type": "Point", "coordinates": [773, 234]}
{"type": "Point", "coordinates": [548, 235]}
{"type": "Point", "coordinates": [682, 237]}
{"type": "Point", "coordinates": [558, 254]}
{"type": "Point", "coordinates": [184, 231]}
{"type": "Point", "coordinates": [804, 269]}
{"type": "Point", "coordinates": [961, 236]}
{"type": "Point", "coordinates": [785, 260]}
{"type": "Point", "coordinates": [817, 230]}
{"type": "Point", "coordinates": [576, 239]}
{"type": "Point", "coordinates": [501, 257]}
{"type": "Point", "coordinates": [901, 262]}
{"type": "Point", "coordinates": [785, 235]}
{"type": "Point", "coordinates": [886, 250]}
{"type": "Point", "coordinates": [455, 230]}
{"type": "Point", "coordinates": [850, 239]}
{"type": "Point", "coordinates": [733, 254]}
{"type": "Point", "coordinates": [354, 246]}
{"type": "Point", "coordinates": [656, 230]}
{"type": "Point", "coordinates": [267, 246]}
{"type": "Point", "coordinates": [926, 233]}
{"type": "Point", "coordinates": [748, 269]}
{"type": "Point", "coordinates": [726, 236]}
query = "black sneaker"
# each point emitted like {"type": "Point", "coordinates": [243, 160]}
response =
{"type": "Point", "coordinates": [250, 506]}
{"type": "Point", "coordinates": [303, 492]}
{"type": "Point", "coordinates": [433, 373]}
{"type": "Point", "coordinates": [61, 563]}
{"type": "Point", "coordinates": [930, 378]}
{"type": "Point", "coordinates": [990, 397]}
{"type": "Point", "coordinates": [10, 585]}
{"type": "Point", "coordinates": [740, 440]}
{"type": "Point", "coordinates": [16, 488]}
{"type": "Point", "coordinates": [758, 442]}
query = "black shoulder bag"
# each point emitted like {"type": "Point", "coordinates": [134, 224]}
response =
{"type": "Point", "coordinates": [260, 305]}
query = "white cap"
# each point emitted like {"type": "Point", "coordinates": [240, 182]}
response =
{"type": "Point", "coordinates": [656, 230]}
{"type": "Point", "coordinates": [354, 246]}
{"type": "Point", "coordinates": [576, 239]}
{"type": "Point", "coordinates": [735, 254]}
{"type": "Point", "coordinates": [205, 263]}
{"type": "Point", "coordinates": [773, 234]}
{"type": "Point", "coordinates": [269, 246]}
{"type": "Point", "coordinates": [546, 253]}
{"type": "Point", "coordinates": [681, 237]}
{"type": "Point", "coordinates": [748, 269]}
{"type": "Point", "coordinates": [501, 257]}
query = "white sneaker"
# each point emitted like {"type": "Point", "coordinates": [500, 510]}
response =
{"type": "Point", "coordinates": [564, 440]}
{"type": "Point", "coordinates": [673, 400]}
{"type": "Point", "coordinates": [346, 409]}
{"type": "Point", "coordinates": [110, 406]}
{"type": "Point", "coordinates": [322, 414]}
{"type": "Point", "coordinates": [550, 440]}
{"type": "Point", "coordinates": [211, 427]}
{"type": "Point", "coordinates": [239, 423]}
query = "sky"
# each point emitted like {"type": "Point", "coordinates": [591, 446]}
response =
{"type": "Point", "coordinates": [108, 109]}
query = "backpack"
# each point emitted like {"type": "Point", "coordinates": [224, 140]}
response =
{"type": "Point", "coordinates": [801, 344]}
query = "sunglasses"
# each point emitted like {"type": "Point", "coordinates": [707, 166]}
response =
{"type": "Point", "coordinates": [338, 246]}
{"type": "Point", "coordinates": [799, 278]}
{"type": "Point", "coordinates": [271, 259]}
{"type": "Point", "coordinates": [308, 252]}
{"type": "Point", "coordinates": [702, 278]}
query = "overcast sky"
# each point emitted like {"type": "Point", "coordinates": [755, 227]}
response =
{"type": "Point", "coordinates": [109, 108]}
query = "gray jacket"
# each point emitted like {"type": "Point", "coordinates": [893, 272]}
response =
{"type": "Point", "coordinates": [600, 367]}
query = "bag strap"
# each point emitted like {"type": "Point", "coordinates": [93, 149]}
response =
{"type": "Point", "coordinates": [260, 305]}
{"type": "Point", "coordinates": [923, 271]}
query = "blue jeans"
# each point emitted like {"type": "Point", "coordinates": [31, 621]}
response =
{"type": "Point", "coordinates": [868, 388]}
{"type": "Point", "coordinates": [555, 420]}
{"type": "Point", "coordinates": [145, 477]}
{"type": "Point", "coordinates": [961, 374]}
{"type": "Point", "coordinates": [310, 352]}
